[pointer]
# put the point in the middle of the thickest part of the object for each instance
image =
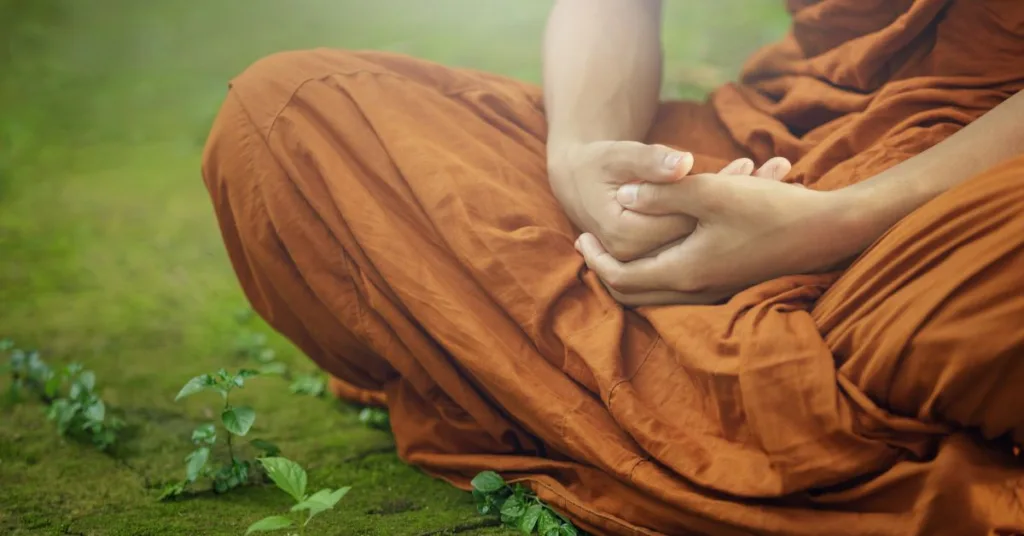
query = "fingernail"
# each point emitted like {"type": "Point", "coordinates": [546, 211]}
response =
{"type": "Point", "coordinates": [627, 194]}
{"type": "Point", "coordinates": [672, 161]}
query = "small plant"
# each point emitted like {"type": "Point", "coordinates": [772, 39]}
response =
{"type": "Point", "coordinates": [252, 346]}
{"type": "Point", "coordinates": [519, 508]}
{"type": "Point", "coordinates": [70, 393]}
{"type": "Point", "coordinates": [291, 478]}
{"type": "Point", "coordinates": [237, 421]}
{"type": "Point", "coordinates": [309, 384]}
{"type": "Point", "coordinates": [375, 418]}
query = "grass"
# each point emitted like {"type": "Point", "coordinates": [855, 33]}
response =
{"type": "Point", "coordinates": [109, 253]}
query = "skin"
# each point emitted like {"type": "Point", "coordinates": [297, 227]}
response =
{"type": "Point", "coordinates": [657, 236]}
{"type": "Point", "coordinates": [602, 76]}
{"type": "Point", "coordinates": [752, 230]}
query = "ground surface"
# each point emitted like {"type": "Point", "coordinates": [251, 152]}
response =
{"type": "Point", "coordinates": [109, 254]}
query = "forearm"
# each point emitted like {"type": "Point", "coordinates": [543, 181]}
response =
{"type": "Point", "coordinates": [602, 70]}
{"type": "Point", "coordinates": [878, 203]}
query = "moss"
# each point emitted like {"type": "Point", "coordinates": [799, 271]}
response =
{"type": "Point", "coordinates": [109, 253]}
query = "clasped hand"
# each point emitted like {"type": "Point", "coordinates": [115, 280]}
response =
{"type": "Point", "coordinates": [656, 235]}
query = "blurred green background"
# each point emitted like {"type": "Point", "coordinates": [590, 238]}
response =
{"type": "Point", "coordinates": [109, 254]}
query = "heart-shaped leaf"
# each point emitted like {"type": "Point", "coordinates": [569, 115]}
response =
{"type": "Point", "coordinates": [238, 420]}
{"type": "Point", "coordinates": [288, 476]}
{"type": "Point", "coordinates": [488, 482]}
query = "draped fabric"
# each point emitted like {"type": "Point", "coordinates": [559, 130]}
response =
{"type": "Point", "coordinates": [393, 218]}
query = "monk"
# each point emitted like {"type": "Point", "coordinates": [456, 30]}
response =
{"type": "Point", "coordinates": [596, 294]}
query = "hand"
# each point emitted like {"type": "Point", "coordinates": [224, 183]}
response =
{"type": "Point", "coordinates": [586, 177]}
{"type": "Point", "coordinates": [750, 230]}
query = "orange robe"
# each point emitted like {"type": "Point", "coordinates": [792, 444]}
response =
{"type": "Point", "coordinates": [392, 217]}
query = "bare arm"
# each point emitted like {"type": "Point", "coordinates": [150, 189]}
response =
{"type": "Point", "coordinates": [602, 78]}
{"type": "Point", "coordinates": [602, 71]}
{"type": "Point", "coordinates": [753, 230]}
{"type": "Point", "coordinates": [883, 200]}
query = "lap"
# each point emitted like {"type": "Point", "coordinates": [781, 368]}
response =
{"type": "Point", "coordinates": [394, 219]}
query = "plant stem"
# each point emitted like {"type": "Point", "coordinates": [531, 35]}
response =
{"type": "Point", "coordinates": [231, 450]}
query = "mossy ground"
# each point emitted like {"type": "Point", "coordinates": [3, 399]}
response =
{"type": "Point", "coordinates": [109, 254]}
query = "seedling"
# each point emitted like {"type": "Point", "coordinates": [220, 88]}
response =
{"type": "Point", "coordinates": [237, 421]}
{"type": "Point", "coordinates": [309, 384]}
{"type": "Point", "coordinates": [291, 478]}
{"type": "Point", "coordinates": [518, 507]}
{"type": "Point", "coordinates": [70, 392]}
{"type": "Point", "coordinates": [252, 345]}
{"type": "Point", "coordinates": [375, 418]}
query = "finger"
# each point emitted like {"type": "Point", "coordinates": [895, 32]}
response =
{"type": "Point", "coordinates": [641, 275]}
{"type": "Point", "coordinates": [743, 166]}
{"type": "Point", "coordinates": [775, 169]}
{"type": "Point", "coordinates": [699, 196]}
{"type": "Point", "coordinates": [654, 163]}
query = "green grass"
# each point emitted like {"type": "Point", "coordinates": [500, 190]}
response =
{"type": "Point", "coordinates": [109, 254]}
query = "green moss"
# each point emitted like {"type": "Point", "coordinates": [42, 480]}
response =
{"type": "Point", "coordinates": [109, 253]}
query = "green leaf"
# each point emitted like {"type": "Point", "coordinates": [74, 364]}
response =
{"type": "Point", "coordinates": [36, 369]}
{"type": "Point", "coordinates": [115, 424]}
{"type": "Point", "coordinates": [243, 315]}
{"type": "Point", "coordinates": [375, 418]}
{"type": "Point", "coordinates": [63, 411]}
{"type": "Point", "coordinates": [171, 491]}
{"type": "Point", "coordinates": [488, 482]}
{"type": "Point", "coordinates": [18, 362]}
{"type": "Point", "coordinates": [567, 530]}
{"type": "Point", "coordinates": [239, 379]}
{"type": "Point", "coordinates": [288, 476]}
{"type": "Point", "coordinates": [268, 448]}
{"type": "Point", "coordinates": [530, 519]}
{"type": "Point", "coordinates": [53, 384]}
{"type": "Point", "coordinates": [520, 492]}
{"type": "Point", "coordinates": [195, 463]}
{"type": "Point", "coordinates": [195, 385]}
{"type": "Point", "coordinates": [103, 438]}
{"type": "Point", "coordinates": [238, 420]}
{"type": "Point", "coordinates": [276, 368]}
{"type": "Point", "coordinates": [308, 384]}
{"type": "Point", "coordinates": [96, 411]}
{"type": "Point", "coordinates": [266, 355]}
{"type": "Point", "coordinates": [87, 379]}
{"type": "Point", "coordinates": [6, 344]}
{"type": "Point", "coordinates": [548, 524]}
{"type": "Point", "coordinates": [320, 501]}
{"type": "Point", "coordinates": [204, 434]}
{"type": "Point", "coordinates": [483, 504]}
{"type": "Point", "coordinates": [268, 524]}
{"type": "Point", "coordinates": [513, 509]}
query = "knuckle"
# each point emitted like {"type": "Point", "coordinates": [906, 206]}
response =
{"type": "Point", "coordinates": [613, 278]}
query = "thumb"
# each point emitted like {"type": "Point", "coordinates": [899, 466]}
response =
{"type": "Point", "coordinates": [699, 196]}
{"type": "Point", "coordinates": [634, 161]}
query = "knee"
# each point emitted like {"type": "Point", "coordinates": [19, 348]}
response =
{"type": "Point", "coordinates": [269, 84]}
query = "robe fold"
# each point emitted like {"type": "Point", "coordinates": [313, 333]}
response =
{"type": "Point", "coordinates": [392, 217]}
